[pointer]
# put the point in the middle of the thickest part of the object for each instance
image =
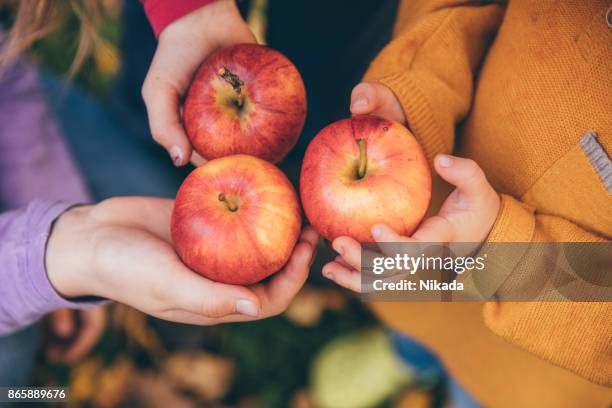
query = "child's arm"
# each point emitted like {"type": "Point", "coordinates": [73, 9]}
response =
{"type": "Point", "coordinates": [25, 292]}
{"type": "Point", "coordinates": [574, 335]}
{"type": "Point", "coordinates": [120, 249]}
{"type": "Point", "coordinates": [431, 64]}
{"type": "Point", "coordinates": [187, 30]}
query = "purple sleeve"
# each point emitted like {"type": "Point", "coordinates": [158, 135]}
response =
{"type": "Point", "coordinates": [34, 160]}
{"type": "Point", "coordinates": [38, 178]}
{"type": "Point", "coordinates": [25, 291]}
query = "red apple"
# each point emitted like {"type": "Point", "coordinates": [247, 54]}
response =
{"type": "Point", "coordinates": [245, 99]}
{"type": "Point", "coordinates": [362, 171]}
{"type": "Point", "coordinates": [236, 220]}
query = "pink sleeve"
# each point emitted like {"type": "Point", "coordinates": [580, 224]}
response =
{"type": "Point", "coordinates": [163, 12]}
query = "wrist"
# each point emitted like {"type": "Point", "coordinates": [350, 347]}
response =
{"type": "Point", "coordinates": [162, 14]}
{"type": "Point", "coordinates": [206, 20]}
{"type": "Point", "coordinates": [66, 254]}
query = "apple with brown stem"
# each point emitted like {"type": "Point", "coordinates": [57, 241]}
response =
{"type": "Point", "coordinates": [245, 99]}
{"type": "Point", "coordinates": [362, 171]}
{"type": "Point", "coordinates": [236, 220]}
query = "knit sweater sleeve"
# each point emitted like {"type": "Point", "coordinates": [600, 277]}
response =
{"type": "Point", "coordinates": [573, 335]}
{"type": "Point", "coordinates": [431, 64]}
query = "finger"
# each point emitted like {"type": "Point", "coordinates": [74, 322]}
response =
{"type": "Point", "coordinates": [341, 261]}
{"type": "Point", "coordinates": [465, 174]}
{"type": "Point", "coordinates": [376, 99]}
{"type": "Point", "coordinates": [384, 233]}
{"type": "Point", "coordinates": [196, 294]}
{"type": "Point", "coordinates": [62, 323]}
{"type": "Point", "coordinates": [435, 229]}
{"type": "Point", "coordinates": [93, 325]}
{"type": "Point", "coordinates": [346, 277]}
{"type": "Point", "coordinates": [310, 235]}
{"type": "Point", "coordinates": [274, 297]}
{"type": "Point", "coordinates": [162, 101]}
{"type": "Point", "coordinates": [196, 159]}
{"type": "Point", "coordinates": [386, 237]}
{"type": "Point", "coordinates": [349, 250]}
{"type": "Point", "coordinates": [284, 285]}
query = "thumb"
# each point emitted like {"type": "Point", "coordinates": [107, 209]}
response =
{"type": "Point", "coordinates": [384, 233]}
{"type": "Point", "coordinates": [465, 174]}
{"type": "Point", "coordinates": [199, 295]}
{"type": "Point", "coordinates": [376, 99]}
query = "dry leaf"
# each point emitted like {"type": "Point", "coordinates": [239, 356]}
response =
{"type": "Point", "coordinates": [134, 324]}
{"type": "Point", "coordinates": [306, 308]}
{"type": "Point", "coordinates": [106, 57]}
{"type": "Point", "coordinates": [152, 390]}
{"type": "Point", "coordinates": [113, 383]}
{"type": "Point", "coordinates": [335, 299]}
{"type": "Point", "coordinates": [83, 381]}
{"type": "Point", "coordinates": [208, 376]}
{"type": "Point", "coordinates": [414, 398]}
{"type": "Point", "coordinates": [249, 402]}
{"type": "Point", "coordinates": [302, 399]}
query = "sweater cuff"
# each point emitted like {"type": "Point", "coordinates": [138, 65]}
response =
{"type": "Point", "coordinates": [418, 114]}
{"type": "Point", "coordinates": [515, 225]}
{"type": "Point", "coordinates": [39, 229]}
{"type": "Point", "coordinates": [161, 13]}
{"type": "Point", "coordinates": [515, 222]}
{"type": "Point", "coordinates": [25, 291]}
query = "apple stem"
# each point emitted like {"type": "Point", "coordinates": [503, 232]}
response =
{"type": "Point", "coordinates": [230, 204]}
{"type": "Point", "coordinates": [235, 82]}
{"type": "Point", "coordinates": [363, 159]}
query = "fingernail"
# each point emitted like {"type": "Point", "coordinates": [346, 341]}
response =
{"type": "Point", "coordinates": [445, 161]}
{"type": "Point", "coordinates": [338, 248]}
{"type": "Point", "coordinates": [246, 307]}
{"type": "Point", "coordinates": [360, 102]}
{"type": "Point", "coordinates": [176, 154]}
{"type": "Point", "coordinates": [327, 274]}
{"type": "Point", "coordinates": [376, 231]}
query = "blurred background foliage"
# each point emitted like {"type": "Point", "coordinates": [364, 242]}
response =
{"type": "Point", "coordinates": [294, 360]}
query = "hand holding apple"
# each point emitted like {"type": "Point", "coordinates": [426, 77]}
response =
{"type": "Point", "coordinates": [467, 215]}
{"type": "Point", "coordinates": [245, 99]}
{"type": "Point", "coordinates": [369, 98]}
{"type": "Point", "coordinates": [364, 171]}
{"type": "Point", "coordinates": [236, 220]}
{"type": "Point", "coordinates": [121, 249]}
{"type": "Point", "coordinates": [181, 48]}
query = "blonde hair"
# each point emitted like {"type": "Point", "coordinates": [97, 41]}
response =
{"type": "Point", "coordinates": [36, 18]}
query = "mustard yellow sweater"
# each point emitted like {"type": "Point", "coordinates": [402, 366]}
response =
{"type": "Point", "coordinates": [516, 87]}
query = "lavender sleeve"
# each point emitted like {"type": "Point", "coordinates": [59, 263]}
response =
{"type": "Point", "coordinates": [25, 291]}
{"type": "Point", "coordinates": [38, 182]}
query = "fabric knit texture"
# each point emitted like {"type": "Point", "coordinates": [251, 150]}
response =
{"type": "Point", "coordinates": [161, 13]}
{"type": "Point", "coordinates": [514, 87]}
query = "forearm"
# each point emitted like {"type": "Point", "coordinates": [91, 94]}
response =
{"type": "Point", "coordinates": [431, 64]}
{"type": "Point", "coordinates": [574, 333]}
{"type": "Point", "coordinates": [25, 291]}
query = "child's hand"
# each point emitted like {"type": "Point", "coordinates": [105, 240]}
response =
{"type": "Point", "coordinates": [467, 215]}
{"type": "Point", "coordinates": [376, 99]}
{"type": "Point", "coordinates": [181, 48]}
{"type": "Point", "coordinates": [76, 332]}
{"type": "Point", "coordinates": [121, 249]}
